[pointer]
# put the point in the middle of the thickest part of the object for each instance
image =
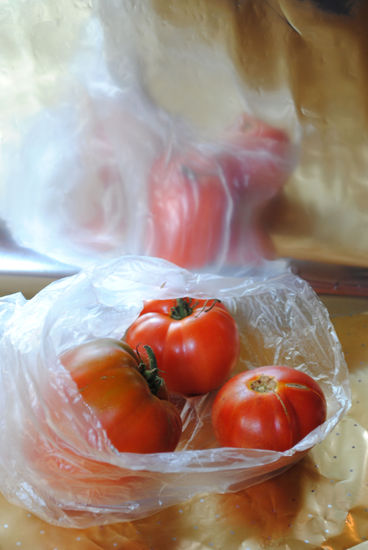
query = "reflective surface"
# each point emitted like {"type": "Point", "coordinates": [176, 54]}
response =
{"type": "Point", "coordinates": [26, 271]}
{"type": "Point", "coordinates": [298, 65]}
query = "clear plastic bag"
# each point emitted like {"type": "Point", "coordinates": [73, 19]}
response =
{"type": "Point", "coordinates": [281, 321]}
{"type": "Point", "coordinates": [106, 171]}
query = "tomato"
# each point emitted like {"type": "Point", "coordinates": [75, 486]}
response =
{"type": "Point", "coordinates": [270, 407]}
{"type": "Point", "coordinates": [206, 206]}
{"type": "Point", "coordinates": [129, 400]}
{"type": "Point", "coordinates": [265, 155]}
{"type": "Point", "coordinates": [196, 342]}
{"type": "Point", "coordinates": [188, 204]}
{"type": "Point", "coordinates": [127, 396]}
{"type": "Point", "coordinates": [261, 161]}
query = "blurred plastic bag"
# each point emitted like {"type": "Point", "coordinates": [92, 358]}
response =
{"type": "Point", "coordinates": [107, 172]}
{"type": "Point", "coordinates": [206, 204]}
{"type": "Point", "coordinates": [56, 460]}
{"type": "Point", "coordinates": [75, 189]}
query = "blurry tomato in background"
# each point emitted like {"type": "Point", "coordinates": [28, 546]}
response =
{"type": "Point", "coordinates": [256, 167]}
{"type": "Point", "coordinates": [206, 206]}
{"type": "Point", "coordinates": [188, 203]}
{"type": "Point", "coordinates": [263, 157]}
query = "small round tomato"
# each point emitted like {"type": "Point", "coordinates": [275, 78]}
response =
{"type": "Point", "coordinates": [196, 342]}
{"type": "Point", "coordinates": [270, 407]}
{"type": "Point", "coordinates": [127, 396]}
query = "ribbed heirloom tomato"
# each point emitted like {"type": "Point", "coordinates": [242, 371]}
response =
{"type": "Point", "coordinates": [128, 397]}
{"type": "Point", "coordinates": [196, 342]}
{"type": "Point", "coordinates": [270, 407]}
{"type": "Point", "coordinates": [131, 403]}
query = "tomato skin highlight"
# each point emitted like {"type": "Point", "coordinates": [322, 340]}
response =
{"type": "Point", "coordinates": [107, 375]}
{"type": "Point", "coordinates": [273, 419]}
{"type": "Point", "coordinates": [194, 354]}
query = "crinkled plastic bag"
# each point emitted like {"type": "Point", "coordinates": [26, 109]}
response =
{"type": "Point", "coordinates": [80, 480]}
{"type": "Point", "coordinates": [106, 171]}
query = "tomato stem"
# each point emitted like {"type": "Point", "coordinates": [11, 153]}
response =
{"type": "Point", "coordinates": [263, 384]}
{"type": "Point", "coordinates": [183, 308]}
{"type": "Point", "coordinates": [214, 302]}
{"type": "Point", "coordinates": [188, 173]}
{"type": "Point", "coordinates": [151, 372]}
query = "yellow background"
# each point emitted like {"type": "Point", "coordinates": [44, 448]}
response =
{"type": "Point", "coordinates": [286, 61]}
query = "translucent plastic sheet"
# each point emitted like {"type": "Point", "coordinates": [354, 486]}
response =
{"type": "Point", "coordinates": [299, 65]}
{"type": "Point", "coordinates": [83, 481]}
{"type": "Point", "coordinates": [105, 170]}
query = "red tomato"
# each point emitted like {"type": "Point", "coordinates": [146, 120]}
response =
{"type": "Point", "coordinates": [196, 342]}
{"type": "Point", "coordinates": [113, 382]}
{"type": "Point", "coordinates": [270, 407]}
{"type": "Point", "coordinates": [206, 207]}
{"type": "Point", "coordinates": [127, 396]}
{"type": "Point", "coordinates": [188, 203]}
{"type": "Point", "coordinates": [256, 170]}
{"type": "Point", "coordinates": [264, 158]}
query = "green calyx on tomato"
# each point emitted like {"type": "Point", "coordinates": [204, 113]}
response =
{"type": "Point", "coordinates": [185, 307]}
{"type": "Point", "coordinates": [151, 374]}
